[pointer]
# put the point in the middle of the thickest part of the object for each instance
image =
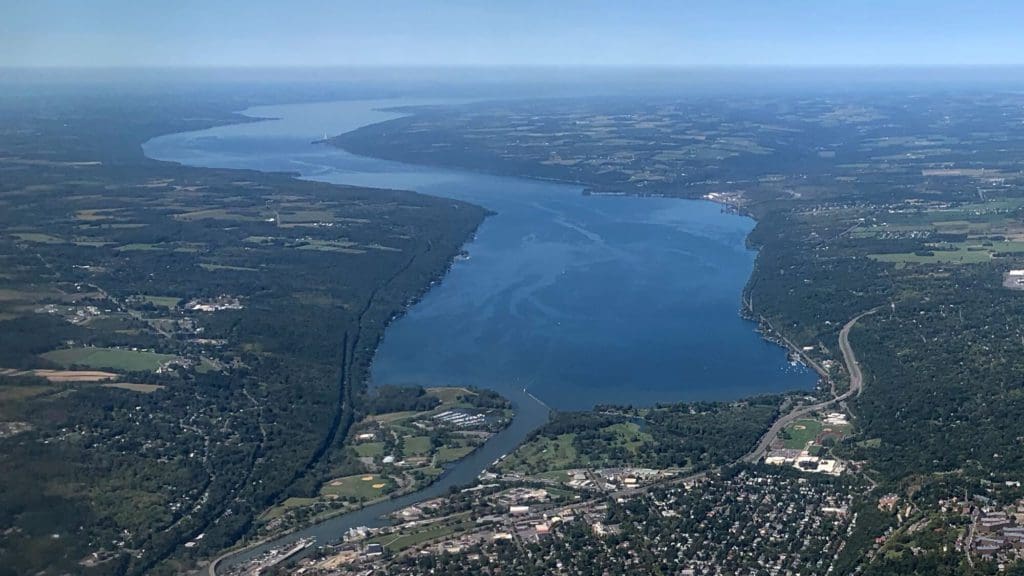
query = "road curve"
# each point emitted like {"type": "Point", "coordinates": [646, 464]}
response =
{"type": "Point", "coordinates": [856, 386]}
{"type": "Point", "coordinates": [850, 359]}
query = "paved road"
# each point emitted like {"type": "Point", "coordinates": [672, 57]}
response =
{"type": "Point", "coordinates": [852, 366]}
{"type": "Point", "coordinates": [856, 386]}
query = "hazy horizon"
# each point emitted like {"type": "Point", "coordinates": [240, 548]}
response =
{"type": "Point", "coordinates": [529, 33]}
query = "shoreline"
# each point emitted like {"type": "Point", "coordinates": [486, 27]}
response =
{"type": "Point", "coordinates": [729, 206]}
{"type": "Point", "coordinates": [437, 280]}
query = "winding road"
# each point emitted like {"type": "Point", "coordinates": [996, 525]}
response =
{"type": "Point", "coordinates": [856, 387]}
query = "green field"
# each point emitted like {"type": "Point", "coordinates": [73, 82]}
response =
{"type": "Point", "coordinates": [543, 454]}
{"type": "Point", "coordinates": [403, 540]}
{"type": "Point", "coordinates": [361, 487]}
{"type": "Point", "coordinates": [449, 396]}
{"type": "Point", "coordinates": [417, 445]}
{"type": "Point", "coordinates": [370, 449]}
{"type": "Point", "coordinates": [165, 301]}
{"type": "Point", "coordinates": [870, 443]}
{"type": "Point", "coordinates": [392, 416]}
{"type": "Point", "coordinates": [799, 433]}
{"type": "Point", "coordinates": [136, 247]}
{"type": "Point", "coordinates": [142, 388]}
{"type": "Point", "coordinates": [37, 237]}
{"type": "Point", "coordinates": [285, 506]}
{"type": "Point", "coordinates": [546, 454]}
{"type": "Point", "coordinates": [969, 252]}
{"type": "Point", "coordinates": [556, 475]}
{"type": "Point", "coordinates": [452, 453]}
{"type": "Point", "coordinates": [206, 365]}
{"type": "Point", "coordinates": [215, 267]}
{"type": "Point", "coordinates": [112, 358]}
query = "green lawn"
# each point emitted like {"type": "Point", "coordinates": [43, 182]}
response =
{"type": "Point", "coordinates": [215, 267]}
{"type": "Point", "coordinates": [450, 453]}
{"type": "Point", "coordinates": [403, 540]}
{"type": "Point", "coordinates": [370, 449]}
{"type": "Point", "coordinates": [448, 395]}
{"type": "Point", "coordinates": [556, 475]}
{"type": "Point", "coordinates": [206, 365]}
{"type": "Point", "coordinates": [799, 433]}
{"type": "Point", "coordinates": [392, 416]}
{"type": "Point", "coordinates": [111, 358]}
{"type": "Point", "coordinates": [417, 445]}
{"type": "Point", "coordinates": [969, 252]}
{"type": "Point", "coordinates": [543, 454]}
{"type": "Point", "coordinates": [38, 237]}
{"type": "Point", "coordinates": [137, 247]}
{"type": "Point", "coordinates": [286, 506]}
{"type": "Point", "coordinates": [361, 486]}
{"type": "Point", "coordinates": [165, 301]}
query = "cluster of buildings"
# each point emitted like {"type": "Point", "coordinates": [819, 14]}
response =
{"type": "Point", "coordinates": [461, 418]}
{"type": "Point", "coordinates": [1014, 280]}
{"type": "Point", "coordinates": [73, 314]}
{"type": "Point", "coordinates": [751, 523]}
{"type": "Point", "coordinates": [222, 302]}
{"type": "Point", "coordinates": [997, 532]}
{"type": "Point", "coordinates": [807, 458]}
{"type": "Point", "coordinates": [802, 460]}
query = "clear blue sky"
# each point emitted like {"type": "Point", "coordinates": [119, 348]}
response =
{"type": "Point", "coordinates": [511, 33]}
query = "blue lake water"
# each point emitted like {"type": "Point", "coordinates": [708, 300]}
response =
{"type": "Point", "coordinates": [580, 299]}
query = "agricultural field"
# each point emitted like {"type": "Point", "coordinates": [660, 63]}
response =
{"type": "Point", "coordinates": [967, 252]}
{"type": "Point", "coordinates": [100, 246]}
{"type": "Point", "coordinates": [37, 237]}
{"type": "Point", "coordinates": [141, 388]}
{"type": "Point", "coordinates": [109, 358]}
{"type": "Point", "coordinates": [165, 301]}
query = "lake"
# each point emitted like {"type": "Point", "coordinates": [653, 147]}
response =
{"type": "Point", "coordinates": [580, 299]}
{"type": "Point", "coordinates": [565, 300]}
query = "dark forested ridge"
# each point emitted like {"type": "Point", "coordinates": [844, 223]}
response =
{"type": "Point", "coordinates": [180, 348]}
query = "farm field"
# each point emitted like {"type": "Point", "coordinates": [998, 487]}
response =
{"type": "Point", "coordinates": [100, 249]}
{"type": "Point", "coordinates": [141, 388]}
{"type": "Point", "coordinates": [165, 301]}
{"type": "Point", "coordinates": [109, 358]}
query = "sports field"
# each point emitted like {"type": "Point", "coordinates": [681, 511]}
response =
{"type": "Point", "coordinates": [360, 486]}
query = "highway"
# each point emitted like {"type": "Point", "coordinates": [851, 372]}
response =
{"type": "Point", "coordinates": [856, 387]}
